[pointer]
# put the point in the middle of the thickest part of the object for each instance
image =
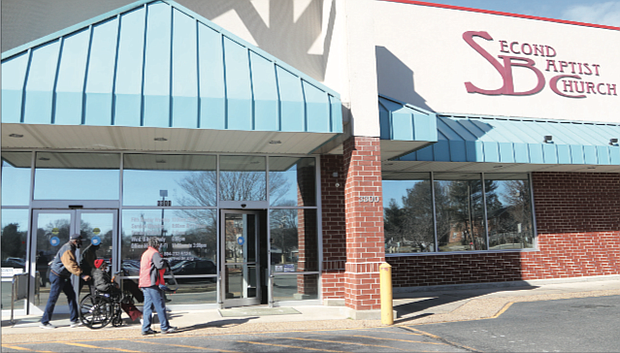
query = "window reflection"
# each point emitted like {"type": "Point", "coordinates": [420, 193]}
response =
{"type": "Point", "coordinates": [13, 246]}
{"type": "Point", "coordinates": [510, 215]}
{"type": "Point", "coordinates": [77, 176]}
{"type": "Point", "coordinates": [16, 178]}
{"type": "Point", "coordinates": [189, 240]}
{"type": "Point", "coordinates": [292, 181]}
{"type": "Point", "coordinates": [189, 180]}
{"type": "Point", "coordinates": [294, 240]}
{"type": "Point", "coordinates": [408, 220]}
{"type": "Point", "coordinates": [460, 223]}
{"type": "Point", "coordinates": [243, 178]}
{"type": "Point", "coordinates": [459, 215]}
{"type": "Point", "coordinates": [295, 287]}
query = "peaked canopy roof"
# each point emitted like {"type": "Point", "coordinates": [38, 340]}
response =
{"type": "Point", "coordinates": [155, 65]}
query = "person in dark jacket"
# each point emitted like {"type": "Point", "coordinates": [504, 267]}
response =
{"type": "Point", "coordinates": [87, 263]}
{"type": "Point", "coordinates": [101, 278]}
{"type": "Point", "coordinates": [63, 266]}
{"type": "Point", "coordinates": [151, 276]}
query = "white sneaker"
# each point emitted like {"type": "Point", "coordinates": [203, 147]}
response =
{"type": "Point", "coordinates": [75, 324]}
{"type": "Point", "coordinates": [47, 326]}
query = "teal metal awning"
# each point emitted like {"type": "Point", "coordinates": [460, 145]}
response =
{"type": "Point", "coordinates": [404, 128]}
{"type": "Point", "coordinates": [156, 65]}
{"type": "Point", "coordinates": [467, 143]}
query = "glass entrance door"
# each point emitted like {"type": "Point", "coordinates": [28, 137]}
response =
{"type": "Point", "coordinates": [51, 230]}
{"type": "Point", "coordinates": [240, 260]}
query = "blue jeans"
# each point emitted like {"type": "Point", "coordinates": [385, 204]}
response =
{"type": "Point", "coordinates": [60, 284]}
{"type": "Point", "coordinates": [154, 299]}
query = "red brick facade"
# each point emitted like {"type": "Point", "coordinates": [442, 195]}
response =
{"type": "Point", "coordinates": [578, 223]}
{"type": "Point", "coordinates": [334, 226]}
{"type": "Point", "coordinates": [353, 245]}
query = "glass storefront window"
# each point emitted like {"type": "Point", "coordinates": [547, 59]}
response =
{"type": "Point", "coordinates": [295, 287]}
{"type": "Point", "coordinates": [408, 215]}
{"type": "Point", "coordinates": [16, 178]}
{"type": "Point", "coordinates": [292, 181]}
{"type": "Point", "coordinates": [189, 239]}
{"type": "Point", "coordinates": [76, 176]}
{"type": "Point", "coordinates": [243, 178]}
{"type": "Point", "coordinates": [460, 213]}
{"type": "Point", "coordinates": [294, 240]}
{"type": "Point", "coordinates": [13, 240]}
{"type": "Point", "coordinates": [509, 212]}
{"type": "Point", "coordinates": [182, 180]}
{"type": "Point", "coordinates": [458, 218]}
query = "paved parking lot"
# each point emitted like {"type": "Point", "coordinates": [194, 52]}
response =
{"type": "Point", "coordinates": [546, 317]}
{"type": "Point", "coordinates": [569, 325]}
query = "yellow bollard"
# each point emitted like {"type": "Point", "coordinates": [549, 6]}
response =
{"type": "Point", "coordinates": [387, 314]}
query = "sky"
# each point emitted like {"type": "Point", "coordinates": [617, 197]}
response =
{"type": "Point", "coordinates": [602, 12]}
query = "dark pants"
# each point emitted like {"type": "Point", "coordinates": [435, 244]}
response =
{"type": "Point", "coordinates": [60, 284]}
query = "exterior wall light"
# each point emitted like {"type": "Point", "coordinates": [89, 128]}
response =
{"type": "Point", "coordinates": [548, 139]}
{"type": "Point", "coordinates": [613, 141]}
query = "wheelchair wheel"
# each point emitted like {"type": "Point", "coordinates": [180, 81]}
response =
{"type": "Point", "coordinates": [117, 319]}
{"type": "Point", "coordinates": [96, 311]}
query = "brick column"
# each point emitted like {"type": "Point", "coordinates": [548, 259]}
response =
{"type": "Point", "coordinates": [364, 223]}
{"type": "Point", "coordinates": [334, 227]}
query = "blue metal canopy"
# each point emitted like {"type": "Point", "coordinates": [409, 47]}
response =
{"type": "Point", "coordinates": [404, 128]}
{"type": "Point", "coordinates": [510, 140]}
{"type": "Point", "coordinates": [157, 64]}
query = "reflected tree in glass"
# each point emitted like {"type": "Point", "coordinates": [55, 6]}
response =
{"type": "Point", "coordinates": [284, 235]}
{"type": "Point", "coordinates": [13, 242]}
{"type": "Point", "coordinates": [234, 186]}
{"type": "Point", "coordinates": [510, 223]}
{"type": "Point", "coordinates": [460, 213]}
{"type": "Point", "coordinates": [410, 228]}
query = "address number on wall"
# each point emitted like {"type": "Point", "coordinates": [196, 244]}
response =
{"type": "Point", "coordinates": [370, 198]}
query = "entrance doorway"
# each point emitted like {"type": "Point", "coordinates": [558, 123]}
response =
{"type": "Point", "coordinates": [51, 230]}
{"type": "Point", "coordinates": [243, 258]}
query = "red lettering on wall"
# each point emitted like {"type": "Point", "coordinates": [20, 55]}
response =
{"type": "Point", "coordinates": [553, 83]}
{"type": "Point", "coordinates": [469, 39]}
{"type": "Point", "coordinates": [509, 62]}
{"type": "Point", "coordinates": [504, 70]}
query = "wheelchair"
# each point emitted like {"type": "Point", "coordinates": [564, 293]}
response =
{"type": "Point", "coordinates": [98, 309]}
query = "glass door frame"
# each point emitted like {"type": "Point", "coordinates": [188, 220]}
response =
{"type": "Point", "coordinates": [75, 226]}
{"type": "Point", "coordinates": [223, 302]}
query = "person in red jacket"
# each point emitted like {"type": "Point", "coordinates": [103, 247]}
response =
{"type": "Point", "coordinates": [151, 276]}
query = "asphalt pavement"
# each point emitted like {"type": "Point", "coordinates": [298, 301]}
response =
{"type": "Point", "coordinates": [428, 317]}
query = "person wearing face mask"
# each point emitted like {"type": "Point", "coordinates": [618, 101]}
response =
{"type": "Point", "coordinates": [63, 266]}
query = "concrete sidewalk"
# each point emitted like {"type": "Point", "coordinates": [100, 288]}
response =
{"type": "Point", "coordinates": [418, 307]}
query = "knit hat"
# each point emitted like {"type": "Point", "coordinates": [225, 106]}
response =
{"type": "Point", "coordinates": [98, 263]}
{"type": "Point", "coordinates": [76, 236]}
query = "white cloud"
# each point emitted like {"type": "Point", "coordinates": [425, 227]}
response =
{"type": "Point", "coordinates": [604, 13]}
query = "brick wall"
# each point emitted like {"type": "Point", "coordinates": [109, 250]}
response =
{"type": "Point", "coordinates": [578, 222]}
{"type": "Point", "coordinates": [334, 226]}
{"type": "Point", "coordinates": [364, 222]}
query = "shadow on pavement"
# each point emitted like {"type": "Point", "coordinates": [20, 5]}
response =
{"type": "Point", "coordinates": [228, 323]}
{"type": "Point", "coordinates": [426, 303]}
